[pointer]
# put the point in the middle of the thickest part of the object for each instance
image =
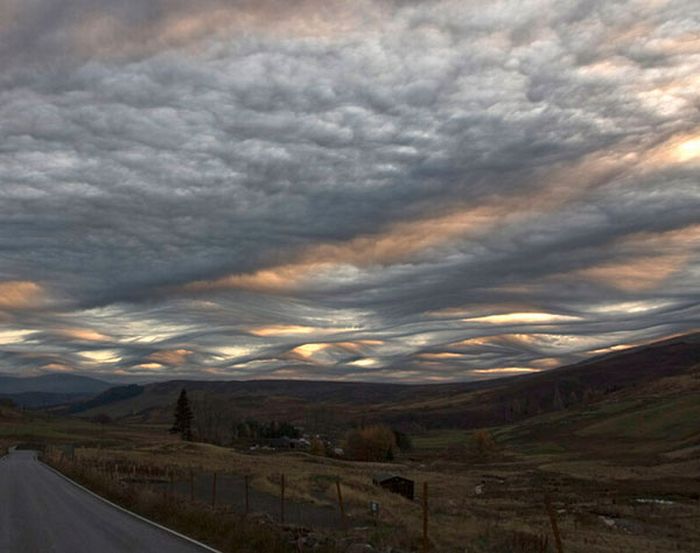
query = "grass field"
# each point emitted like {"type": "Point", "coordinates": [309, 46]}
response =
{"type": "Point", "coordinates": [670, 418]}
{"type": "Point", "coordinates": [440, 439]}
{"type": "Point", "coordinates": [605, 498]}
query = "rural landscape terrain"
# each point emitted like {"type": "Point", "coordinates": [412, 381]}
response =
{"type": "Point", "coordinates": [610, 448]}
{"type": "Point", "coordinates": [349, 276]}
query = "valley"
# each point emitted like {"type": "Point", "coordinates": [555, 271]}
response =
{"type": "Point", "coordinates": [622, 466]}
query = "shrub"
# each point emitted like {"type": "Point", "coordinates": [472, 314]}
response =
{"type": "Point", "coordinates": [372, 443]}
{"type": "Point", "coordinates": [317, 447]}
{"type": "Point", "coordinates": [483, 444]}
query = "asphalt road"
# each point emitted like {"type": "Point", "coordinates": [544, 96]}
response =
{"type": "Point", "coordinates": [40, 512]}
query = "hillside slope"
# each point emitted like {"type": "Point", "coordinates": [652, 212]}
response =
{"type": "Point", "coordinates": [52, 383]}
{"type": "Point", "coordinates": [465, 405]}
{"type": "Point", "coordinates": [521, 397]}
{"type": "Point", "coordinates": [49, 389]}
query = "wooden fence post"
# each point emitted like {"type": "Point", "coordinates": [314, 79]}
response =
{"type": "Point", "coordinates": [425, 517]}
{"type": "Point", "coordinates": [213, 491]}
{"type": "Point", "coordinates": [246, 479]}
{"type": "Point", "coordinates": [340, 504]}
{"type": "Point", "coordinates": [553, 520]}
{"type": "Point", "coordinates": [282, 500]}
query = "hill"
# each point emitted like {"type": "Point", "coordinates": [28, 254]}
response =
{"type": "Point", "coordinates": [52, 383]}
{"type": "Point", "coordinates": [332, 405]}
{"type": "Point", "coordinates": [49, 389]}
{"type": "Point", "coordinates": [513, 399]}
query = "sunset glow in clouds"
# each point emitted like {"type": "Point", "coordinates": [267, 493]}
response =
{"type": "Point", "coordinates": [372, 190]}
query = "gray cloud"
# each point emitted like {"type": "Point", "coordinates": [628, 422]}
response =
{"type": "Point", "coordinates": [397, 168]}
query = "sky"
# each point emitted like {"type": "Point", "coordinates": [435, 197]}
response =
{"type": "Point", "coordinates": [381, 190]}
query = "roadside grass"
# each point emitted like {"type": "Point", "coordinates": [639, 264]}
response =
{"type": "Point", "coordinates": [312, 480]}
{"type": "Point", "coordinates": [512, 501]}
{"type": "Point", "coordinates": [218, 528]}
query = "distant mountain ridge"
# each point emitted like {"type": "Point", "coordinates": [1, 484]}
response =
{"type": "Point", "coordinates": [49, 389]}
{"type": "Point", "coordinates": [52, 383]}
{"type": "Point", "coordinates": [464, 405]}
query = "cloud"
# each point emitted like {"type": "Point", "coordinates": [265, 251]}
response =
{"type": "Point", "coordinates": [20, 294]}
{"type": "Point", "coordinates": [374, 190]}
{"type": "Point", "coordinates": [83, 334]}
{"type": "Point", "coordinates": [170, 357]}
{"type": "Point", "coordinates": [44, 31]}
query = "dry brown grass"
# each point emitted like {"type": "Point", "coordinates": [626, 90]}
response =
{"type": "Point", "coordinates": [511, 503]}
{"type": "Point", "coordinates": [219, 528]}
{"type": "Point", "coordinates": [586, 488]}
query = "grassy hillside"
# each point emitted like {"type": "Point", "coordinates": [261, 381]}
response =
{"type": "Point", "coordinates": [332, 405]}
{"type": "Point", "coordinates": [657, 420]}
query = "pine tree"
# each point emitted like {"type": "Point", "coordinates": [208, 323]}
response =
{"type": "Point", "coordinates": [558, 401]}
{"type": "Point", "coordinates": [183, 417]}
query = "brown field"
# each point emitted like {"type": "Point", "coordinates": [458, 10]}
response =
{"type": "Point", "coordinates": [612, 492]}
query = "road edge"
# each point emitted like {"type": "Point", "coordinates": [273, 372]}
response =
{"type": "Point", "coordinates": [131, 513]}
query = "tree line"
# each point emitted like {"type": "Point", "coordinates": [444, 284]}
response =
{"type": "Point", "coordinates": [211, 424]}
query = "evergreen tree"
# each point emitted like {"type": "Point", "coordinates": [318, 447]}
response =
{"type": "Point", "coordinates": [183, 417]}
{"type": "Point", "coordinates": [558, 401]}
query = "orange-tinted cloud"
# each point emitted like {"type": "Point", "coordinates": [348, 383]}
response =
{"type": "Point", "coordinates": [505, 370]}
{"type": "Point", "coordinates": [57, 367]}
{"type": "Point", "coordinates": [617, 347]}
{"type": "Point", "coordinates": [293, 330]}
{"type": "Point", "coordinates": [547, 362]}
{"type": "Point", "coordinates": [472, 342]}
{"type": "Point", "coordinates": [150, 366]}
{"type": "Point", "coordinates": [398, 242]}
{"type": "Point", "coordinates": [649, 259]}
{"type": "Point", "coordinates": [189, 25]}
{"type": "Point", "coordinates": [680, 148]}
{"type": "Point", "coordinates": [407, 239]}
{"type": "Point", "coordinates": [101, 356]}
{"type": "Point", "coordinates": [528, 317]}
{"type": "Point", "coordinates": [15, 336]}
{"type": "Point", "coordinates": [174, 357]}
{"type": "Point", "coordinates": [308, 351]}
{"type": "Point", "coordinates": [446, 355]}
{"type": "Point", "coordinates": [20, 294]}
{"type": "Point", "coordinates": [636, 275]}
{"type": "Point", "coordinates": [688, 149]}
{"type": "Point", "coordinates": [84, 334]}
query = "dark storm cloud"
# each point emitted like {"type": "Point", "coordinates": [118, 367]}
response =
{"type": "Point", "coordinates": [349, 191]}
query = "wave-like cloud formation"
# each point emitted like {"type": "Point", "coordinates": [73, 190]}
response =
{"type": "Point", "coordinates": [380, 190]}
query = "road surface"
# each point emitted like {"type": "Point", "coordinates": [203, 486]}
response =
{"type": "Point", "coordinates": [40, 512]}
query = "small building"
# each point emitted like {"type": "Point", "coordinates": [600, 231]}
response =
{"type": "Point", "coordinates": [396, 484]}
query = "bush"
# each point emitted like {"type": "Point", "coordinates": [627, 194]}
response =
{"type": "Point", "coordinates": [483, 444]}
{"type": "Point", "coordinates": [317, 447]}
{"type": "Point", "coordinates": [372, 443]}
